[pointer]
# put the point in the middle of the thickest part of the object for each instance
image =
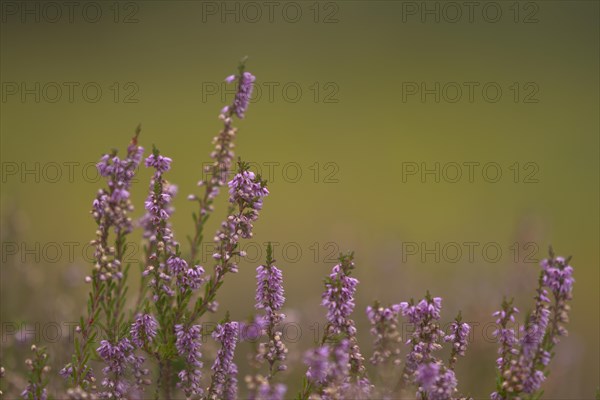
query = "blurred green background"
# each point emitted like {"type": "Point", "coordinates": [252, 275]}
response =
{"type": "Point", "coordinates": [351, 131]}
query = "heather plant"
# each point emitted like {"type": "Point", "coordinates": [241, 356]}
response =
{"type": "Point", "coordinates": [152, 347]}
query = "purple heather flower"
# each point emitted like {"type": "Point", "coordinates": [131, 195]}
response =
{"type": "Point", "coordinates": [143, 330]}
{"type": "Point", "coordinates": [158, 229]}
{"type": "Point", "coordinates": [246, 188]}
{"type": "Point", "coordinates": [509, 370]}
{"type": "Point", "coordinates": [188, 340]}
{"type": "Point", "coordinates": [526, 372]}
{"type": "Point", "coordinates": [426, 336]}
{"type": "Point", "coordinates": [458, 336]}
{"type": "Point", "coordinates": [251, 331]}
{"type": "Point", "coordinates": [267, 391]}
{"type": "Point", "coordinates": [338, 298]}
{"type": "Point", "coordinates": [246, 191]}
{"type": "Point", "coordinates": [330, 368]}
{"type": "Point", "coordinates": [242, 97]}
{"type": "Point", "coordinates": [117, 357]}
{"type": "Point", "coordinates": [437, 382]}
{"type": "Point", "coordinates": [318, 364]}
{"type": "Point", "coordinates": [224, 379]}
{"type": "Point", "coordinates": [192, 278]}
{"type": "Point", "coordinates": [230, 78]}
{"type": "Point", "coordinates": [341, 361]}
{"type": "Point", "coordinates": [384, 327]}
{"type": "Point", "coordinates": [32, 390]}
{"type": "Point", "coordinates": [506, 335]}
{"type": "Point", "coordinates": [111, 207]}
{"type": "Point", "coordinates": [66, 371]}
{"type": "Point", "coordinates": [269, 297]}
{"type": "Point", "coordinates": [428, 308]}
{"type": "Point", "coordinates": [187, 277]}
{"type": "Point", "coordinates": [157, 207]}
{"type": "Point", "coordinates": [177, 265]}
{"type": "Point", "coordinates": [427, 374]}
{"type": "Point", "coordinates": [160, 163]}
{"type": "Point", "coordinates": [444, 387]}
{"type": "Point", "coordinates": [269, 290]}
{"type": "Point", "coordinates": [558, 276]}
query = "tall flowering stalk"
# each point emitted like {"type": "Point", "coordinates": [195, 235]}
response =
{"type": "Point", "coordinates": [340, 338]}
{"type": "Point", "coordinates": [433, 379]}
{"type": "Point", "coordinates": [223, 155]}
{"type": "Point", "coordinates": [426, 336]}
{"type": "Point", "coordinates": [224, 379]}
{"type": "Point", "coordinates": [522, 366]}
{"type": "Point", "coordinates": [246, 193]}
{"type": "Point", "coordinates": [110, 210]}
{"type": "Point", "coordinates": [119, 358]}
{"type": "Point", "coordinates": [384, 328]}
{"type": "Point", "coordinates": [459, 337]}
{"type": "Point", "coordinates": [270, 298]}
{"type": "Point", "coordinates": [38, 368]}
{"type": "Point", "coordinates": [188, 346]}
{"type": "Point", "coordinates": [172, 284]}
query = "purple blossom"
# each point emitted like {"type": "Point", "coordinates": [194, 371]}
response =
{"type": "Point", "coordinates": [177, 265]}
{"type": "Point", "coordinates": [160, 163]}
{"type": "Point", "coordinates": [435, 381]}
{"type": "Point", "coordinates": [426, 336]}
{"type": "Point", "coordinates": [251, 331]}
{"type": "Point", "coordinates": [269, 289]}
{"type": "Point", "coordinates": [558, 276]}
{"type": "Point", "coordinates": [158, 229]}
{"type": "Point", "coordinates": [341, 361]}
{"type": "Point", "coordinates": [192, 278]}
{"type": "Point", "coordinates": [188, 278]}
{"type": "Point", "coordinates": [338, 297]}
{"type": "Point", "coordinates": [188, 340]}
{"type": "Point", "coordinates": [246, 188]}
{"type": "Point", "coordinates": [505, 334]}
{"type": "Point", "coordinates": [244, 92]}
{"type": "Point", "coordinates": [318, 364]}
{"type": "Point", "coordinates": [267, 391]}
{"type": "Point", "coordinates": [269, 297]}
{"type": "Point", "coordinates": [224, 379]}
{"type": "Point", "coordinates": [444, 387]}
{"type": "Point", "coordinates": [458, 336]}
{"type": "Point", "coordinates": [143, 330]}
{"type": "Point", "coordinates": [33, 391]}
{"type": "Point", "coordinates": [111, 209]}
{"type": "Point", "coordinates": [543, 327]}
{"type": "Point", "coordinates": [427, 375]}
{"type": "Point", "coordinates": [117, 357]}
{"type": "Point", "coordinates": [384, 328]}
{"type": "Point", "coordinates": [522, 363]}
{"type": "Point", "coordinates": [246, 192]}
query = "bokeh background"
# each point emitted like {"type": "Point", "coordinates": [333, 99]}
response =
{"type": "Point", "coordinates": [339, 118]}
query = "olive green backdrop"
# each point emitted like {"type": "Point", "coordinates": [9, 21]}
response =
{"type": "Point", "coordinates": [355, 100]}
